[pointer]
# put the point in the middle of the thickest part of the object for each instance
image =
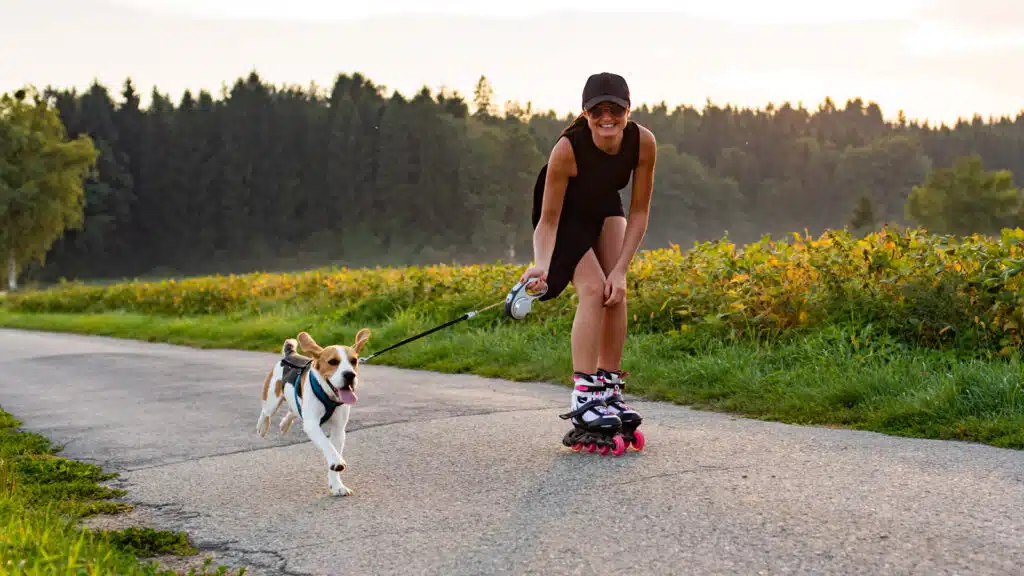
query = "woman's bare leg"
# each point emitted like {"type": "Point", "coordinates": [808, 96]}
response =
{"type": "Point", "coordinates": [615, 322]}
{"type": "Point", "coordinates": [613, 337]}
{"type": "Point", "coordinates": [589, 337]}
{"type": "Point", "coordinates": [588, 324]}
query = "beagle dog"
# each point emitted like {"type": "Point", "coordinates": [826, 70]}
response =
{"type": "Point", "coordinates": [319, 389]}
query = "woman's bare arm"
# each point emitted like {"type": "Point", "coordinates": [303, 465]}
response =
{"type": "Point", "coordinates": [640, 201]}
{"type": "Point", "coordinates": [561, 166]}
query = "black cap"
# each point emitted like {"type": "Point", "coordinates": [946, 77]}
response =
{"type": "Point", "coordinates": [605, 87]}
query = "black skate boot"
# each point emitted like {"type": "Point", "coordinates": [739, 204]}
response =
{"type": "Point", "coordinates": [631, 419]}
{"type": "Point", "coordinates": [595, 428]}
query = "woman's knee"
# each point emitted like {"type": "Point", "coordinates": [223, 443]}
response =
{"type": "Point", "coordinates": [589, 280]}
{"type": "Point", "coordinates": [590, 291]}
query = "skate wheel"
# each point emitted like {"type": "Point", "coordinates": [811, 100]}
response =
{"type": "Point", "coordinates": [620, 445]}
{"type": "Point", "coordinates": [638, 440]}
{"type": "Point", "coordinates": [604, 449]}
{"type": "Point", "coordinates": [591, 447]}
{"type": "Point", "coordinates": [577, 447]}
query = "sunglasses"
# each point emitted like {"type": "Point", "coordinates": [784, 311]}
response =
{"type": "Point", "coordinates": [614, 109]}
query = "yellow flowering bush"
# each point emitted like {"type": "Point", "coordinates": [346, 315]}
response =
{"type": "Point", "coordinates": [927, 288]}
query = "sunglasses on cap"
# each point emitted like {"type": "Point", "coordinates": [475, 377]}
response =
{"type": "Point", "coordinates": [614, 109]}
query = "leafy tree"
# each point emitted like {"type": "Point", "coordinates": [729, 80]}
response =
{"type": "Point", "coordinates": [483, 99]}
{"type": "Point", "coordinates": [42, 177]}
{"type": "Point", "coordinates": [884, 170]}
{"type": "Point", "coordinates": [965, 199]}
{"type": "Point", "coordinates": [109, 193]}
{"type": "Point", "coordinates": [863, 214]}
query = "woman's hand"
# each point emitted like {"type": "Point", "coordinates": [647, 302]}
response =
{"type": "Point", "coordinates": [614, 288]}
{"type": "Point", "coordinates": [536, 272]}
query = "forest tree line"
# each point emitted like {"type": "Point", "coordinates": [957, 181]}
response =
{"type": "Point", "coordinates": [279, 177]}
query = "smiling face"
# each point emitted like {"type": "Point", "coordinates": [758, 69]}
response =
{"type": "Point", "coordinates": [338, 364]}
{"type": "Point", "coordinates": [607, 120]}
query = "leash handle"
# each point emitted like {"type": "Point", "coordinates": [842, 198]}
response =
{"type": "Point", "coordinates": [519, 301]}
{"type": "Point", "coordinates": [534, 280]}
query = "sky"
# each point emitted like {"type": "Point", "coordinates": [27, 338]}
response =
{"type": "Point", "coordinates": [936, 60]}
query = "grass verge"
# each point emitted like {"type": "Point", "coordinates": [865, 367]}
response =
{"type": "Point", "coordinates": [832, 375]}
{"type": "Point", "coordinates": [42, 499]}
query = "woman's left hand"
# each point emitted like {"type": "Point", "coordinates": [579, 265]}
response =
{"type": "Point", "coordinates": [614, 288]}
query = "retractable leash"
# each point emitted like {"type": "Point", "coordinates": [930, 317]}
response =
{"type": "Point", "coordinates": [518, 304]}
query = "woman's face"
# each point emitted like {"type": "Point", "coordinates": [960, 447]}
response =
{"type": "Point", "coordinates": [607, 119]}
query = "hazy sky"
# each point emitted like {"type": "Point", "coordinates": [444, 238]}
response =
{"type": "Point", "coordinates": [936, 59]}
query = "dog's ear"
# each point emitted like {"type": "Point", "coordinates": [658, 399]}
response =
{"type": "Point", "coordinates": [361, 337]}
{"type": "Point", "coordinates": [308, 344]}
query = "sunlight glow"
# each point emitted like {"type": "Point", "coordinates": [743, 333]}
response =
{"type": "Point", "coordinates": [928, 57]}
{"type": "Point", "coordinates": [739, 11]}
{"type": "Point", "coordinates": [935, 39]}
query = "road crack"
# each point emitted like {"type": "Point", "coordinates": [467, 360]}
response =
{"type": "Point", "coordinates": [216, 455]}
{"type": "Point", "coordinates": [250, 557]}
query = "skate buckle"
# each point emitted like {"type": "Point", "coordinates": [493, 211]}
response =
{"type": "Point", "coordinates": [519, 301]}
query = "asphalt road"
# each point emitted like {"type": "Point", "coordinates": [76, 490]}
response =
{"type": "Point", "coordinates": [466, 475]}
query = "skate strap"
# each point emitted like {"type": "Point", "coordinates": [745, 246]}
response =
{"type": "Point", "coordinates": [616, 403]}
{"type": "Point", "coordinates": [591, 404]}
{"type": "Point", "coordinates": [619, 375]}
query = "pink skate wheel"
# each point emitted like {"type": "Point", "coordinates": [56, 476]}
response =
{"type": "Point", "coordinates": [603, 450]}
{"type": "Point", "coordinates": [638, 440]}
{"type": "Point", "coordinates": [591, 447]}
{"type": "Point", "coordinates": [577, 447]}
{"type": "Point", "coordinates": [620, 445]}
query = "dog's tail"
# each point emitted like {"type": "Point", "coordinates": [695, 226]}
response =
{"type": "Point", "coordinates": [290, 346]}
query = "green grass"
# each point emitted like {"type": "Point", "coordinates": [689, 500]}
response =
{"type": "Point", "coordinates": [834, 375]}
{"type": "Point", "coordinates": [42, 499]}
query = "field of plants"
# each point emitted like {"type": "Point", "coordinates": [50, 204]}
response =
{"type": "Point", "coordinates": [901, 332]}
{"type": "Point", "coordinates": [921, 289]}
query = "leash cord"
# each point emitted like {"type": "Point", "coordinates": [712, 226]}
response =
{"type": "Point", "coordinates": [465, 316]}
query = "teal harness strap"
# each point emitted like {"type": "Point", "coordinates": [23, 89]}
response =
{"type": "Point", "coordinates": [318, 391]}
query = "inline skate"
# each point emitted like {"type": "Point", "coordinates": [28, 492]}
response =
{"type": "Point", "coordinates": [631, 419]}
{"type": "Point", "coordinates": [595, 428]}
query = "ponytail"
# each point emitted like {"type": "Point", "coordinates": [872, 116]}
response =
{"type": "Point", "coordinates": [579, 121]}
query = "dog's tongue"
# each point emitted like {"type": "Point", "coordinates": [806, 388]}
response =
{"type": "Point", "coordinates": [347, 396]}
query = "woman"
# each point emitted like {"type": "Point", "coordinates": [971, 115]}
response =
{"type": "Point", "coordinates": [581, 235]}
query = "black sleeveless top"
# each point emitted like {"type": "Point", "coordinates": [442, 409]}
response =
{"type": "Point", "coordinates": [600, 176]}
{"type": "Point", "coordinates": [590, 197]}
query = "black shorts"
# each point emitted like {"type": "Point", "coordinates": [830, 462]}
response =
{"type": "Point", "coordinates": [579, 229]}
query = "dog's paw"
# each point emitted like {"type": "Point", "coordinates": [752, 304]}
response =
{"type": "Point", "coordinates": [339, 467]}
{"type": "Point", "coordinates": [341, 491]}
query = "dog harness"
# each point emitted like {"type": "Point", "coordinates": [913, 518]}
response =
{"type": "Point", "coordinates": [292, 366]}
